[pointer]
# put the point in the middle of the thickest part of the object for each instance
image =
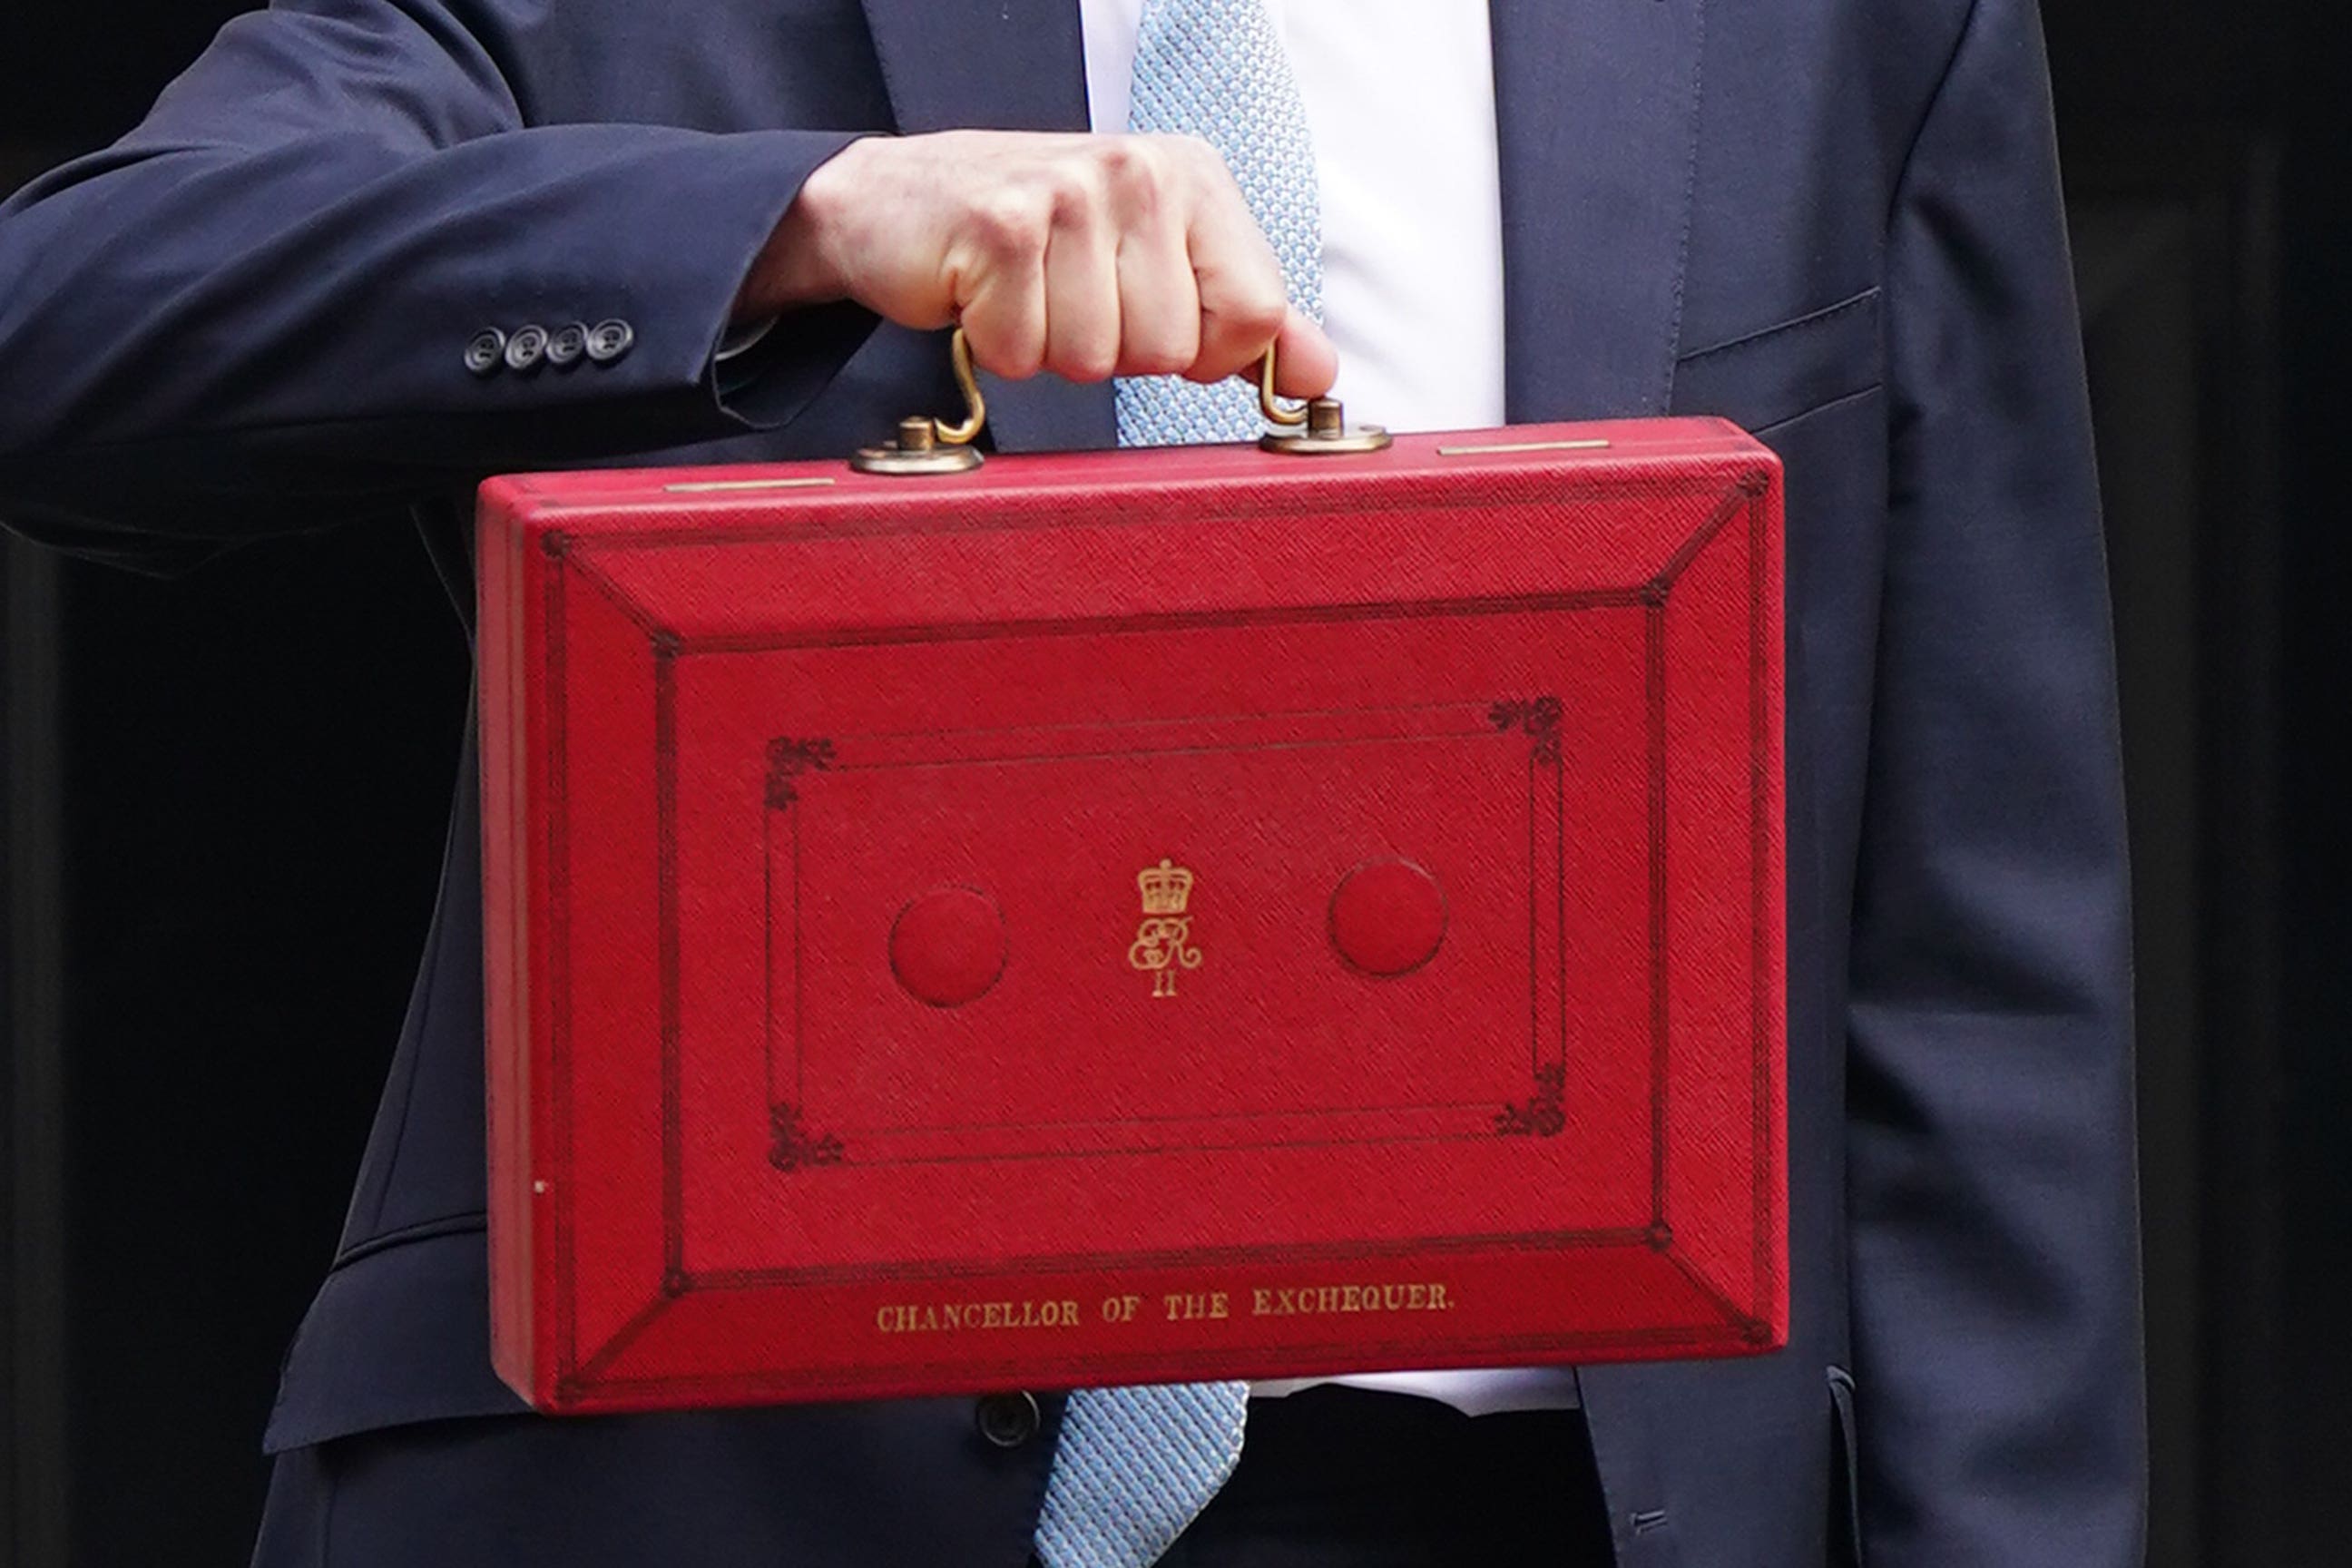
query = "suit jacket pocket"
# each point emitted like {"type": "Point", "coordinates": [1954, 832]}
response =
{"type": "Point", "coordinates": [1770, 377]}
{"type": "Point", "coordinates": [1845, 1473]}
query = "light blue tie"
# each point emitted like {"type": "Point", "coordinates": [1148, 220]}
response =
{"type": "Point", "coordinates": [1135, 1464]}
{"type": "Point", "coordinates": [1133, 1467]}
{"type": "Point", "coordinates": [1216, 70]}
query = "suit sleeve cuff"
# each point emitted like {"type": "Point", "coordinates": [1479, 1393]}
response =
{"type": "Point", "coordinates": [764, 373]}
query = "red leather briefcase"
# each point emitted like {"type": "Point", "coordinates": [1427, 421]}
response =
{"type": "Point", "coordinates": [1134, 916]}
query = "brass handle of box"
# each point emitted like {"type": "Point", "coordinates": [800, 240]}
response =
{"type": "Point", "coordinates": [1271, 406]}
{"type": "Point", "coordinates": [929, 446]}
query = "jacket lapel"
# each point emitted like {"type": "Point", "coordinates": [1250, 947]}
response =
{"type": "Point", "coordinates": [1597, 117]}
{"type": "Point", "coordinates": [1007, 64]}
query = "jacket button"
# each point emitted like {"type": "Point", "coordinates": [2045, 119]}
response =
{"type": "Point", "coordinates": [526, 347]}
{"type": "Point", "coordinates": [566, 345]}
{"type": "Point", "coordinates": [608, 341]}
{"type": "Point", "coordinates": [486, 352]}
{"type": "Point", "coordinates": [1007, 1420]}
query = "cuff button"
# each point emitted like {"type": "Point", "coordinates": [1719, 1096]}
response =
{"type": "Point", "coordinates": [486, 352]}
{"type": "Point", "coordinates": [608, 341]}
{"type": "Point", "coordinates": [526, 348]}
{"type": "Point", "coordinates": [566, 345]}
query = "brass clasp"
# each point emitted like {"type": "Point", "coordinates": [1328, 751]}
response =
{"type": "Point", "coordinates": [1327, 432]}
{"type": "Point", "coordinates": [928, 446]}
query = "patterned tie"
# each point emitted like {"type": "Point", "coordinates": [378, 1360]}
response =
{"type": "Point", "coordinates": [1216, 70]}
{"type": "Point", "coordinates": [1135, 1464]}
{"type": "Point", "coordinates": [1133, 1467]}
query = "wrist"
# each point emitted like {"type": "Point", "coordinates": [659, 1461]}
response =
{"type": "Point", "coordinates": [798, 266]}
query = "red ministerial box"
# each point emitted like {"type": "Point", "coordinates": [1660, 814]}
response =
{"type": "Point", "coordinates": [1134, 916]}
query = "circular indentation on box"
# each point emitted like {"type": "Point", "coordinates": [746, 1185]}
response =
{"type": "Point", "coordinates": [1388, 917]}
{"type": "Point", "coordinates": [946, 947]}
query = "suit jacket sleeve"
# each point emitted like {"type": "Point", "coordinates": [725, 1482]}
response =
{"type": "Point", "coordinates": [1994, 1233]}
{"type": "Point", "coordinates": [260, 300]}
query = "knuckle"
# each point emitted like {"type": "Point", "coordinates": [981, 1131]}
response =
{"type": "Point", "coordinates": [1010, 223]}
{"type": "Point", "coordinates": [1158, 359]}
{"type": "Point", "coordinates": [1123, 157]}
{"type": "Point", "coordinates": [1007, 338]}
{"type": "Point", "coordinates": [1075, 194]}
{"type": "Point", "coordinates": [1016, 355]}
{"type": "Point", "coordinates": [1138, 171]}
{"type": "Point", "coordinates": [1086, 361]}
{"type": "Point", "coordinates": [1258, 313]}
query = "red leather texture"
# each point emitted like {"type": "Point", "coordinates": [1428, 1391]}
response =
{"type": "Point", "coordinates": [1134, 916]}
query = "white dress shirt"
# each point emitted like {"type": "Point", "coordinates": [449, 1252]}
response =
{"type": "Point", "coordinates": [1400, 95]}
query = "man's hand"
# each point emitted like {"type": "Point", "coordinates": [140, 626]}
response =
{"type": "Point", "coordinates": [1087, 256]}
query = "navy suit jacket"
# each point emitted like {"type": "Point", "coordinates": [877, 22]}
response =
{"type": "Point", "coordinates": [1835, 221]}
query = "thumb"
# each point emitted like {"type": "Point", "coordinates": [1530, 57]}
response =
{"type": "Point", "coordinates": [1304, 362]}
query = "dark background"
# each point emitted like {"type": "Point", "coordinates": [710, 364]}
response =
{"type": "Point", "coordinates": [223, 799]}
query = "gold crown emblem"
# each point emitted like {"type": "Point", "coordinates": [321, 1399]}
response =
{"type": "Point", "coordinates": [1166, 888]}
